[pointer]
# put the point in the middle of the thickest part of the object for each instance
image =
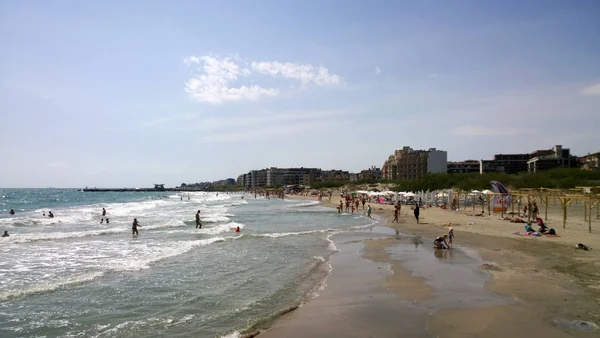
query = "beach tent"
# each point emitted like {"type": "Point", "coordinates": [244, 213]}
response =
{"type": "Point", "coordinates": [409, 194]}
{"type": "Point", "coordinates": [389, 193]}
{"type": "Point", "coordinates": [486, 191]}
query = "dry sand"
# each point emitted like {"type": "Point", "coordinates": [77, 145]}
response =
{"type": "Point", "coordinates": [547, 277]}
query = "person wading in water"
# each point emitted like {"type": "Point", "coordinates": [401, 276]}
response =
{"type": "Point", "coordinates": [134, 226]}
{"type": "Point", "coordinates": [198, 224]}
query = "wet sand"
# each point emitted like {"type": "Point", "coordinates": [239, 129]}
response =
{"type": "Point", "coordinates": [487, 286]}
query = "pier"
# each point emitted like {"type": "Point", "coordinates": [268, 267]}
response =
{"type": "Point", "coordinates": [157, 187]}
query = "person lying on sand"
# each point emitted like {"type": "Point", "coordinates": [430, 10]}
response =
{"type": "Point", "coordinates": [528, 228]}
{"type": "Point", "coordinates": [582, 246]}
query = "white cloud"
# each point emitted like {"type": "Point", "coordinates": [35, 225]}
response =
{"type": "Point", "coordinates": [61, 165]}
{"type": "Point", "coordinates": [213, 85]}
{"type": "Point", "coordinates": [472, 130]}
{"type": "Point", "coordinates": [212, 82]}
{"type": "Point", "coordinates": [306, 74]}
{"type": "Point", "coordinates": [377, 70]}
{"type": "Point", "coordinates": [591, 90]}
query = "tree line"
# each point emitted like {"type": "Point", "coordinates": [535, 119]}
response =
{"type": "Point", "coordinates": [560, 178]}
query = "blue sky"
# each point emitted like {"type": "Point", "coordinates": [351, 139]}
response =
{"type": "Point", "coordinates": [130, 93]}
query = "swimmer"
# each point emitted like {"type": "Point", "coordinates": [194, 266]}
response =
{"type": "Point", "coordinates": [237, 229]}
{"type": "Point", "coordinates": [12, 212]}
{"type": "Point", "coordinates": [134, 226]}
{"type": "Point", "coordinates": [198, 224]}
{"type": "Point", "coordinates": [5, 233]}
{"type": "Point", "coordinates": [107, 220]}
{"type": "Point", "coordinates": [103, 212]}
{"type": "Point", "coordinates": [439, 242]}
{"type": "Point", "coordinates": [50, 214]}
{"type": "Point", "coordinates": [101, 220]}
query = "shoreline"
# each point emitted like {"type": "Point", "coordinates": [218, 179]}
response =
{"type": "Point", "coordinates": [538, 276]}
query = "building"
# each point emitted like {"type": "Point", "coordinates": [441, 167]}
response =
{"type": "Point", "coordinates": [409, 164]}
{"type": "Point", "coordinates": [371, 174]}
{"type": "Point", "coordinates": [591, 162]}
{"type": "Point", "coordinates": [557, 157]}
{"type": "Point", "coordinates": [468, 166]}
{"type": "Point", "coordinates": [508, 163]}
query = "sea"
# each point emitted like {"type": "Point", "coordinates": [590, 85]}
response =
{"type": "Point", "coordinates": [75, 276]}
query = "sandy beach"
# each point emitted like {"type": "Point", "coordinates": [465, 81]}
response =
{"type": "Point", "coordinates": [492, 284]}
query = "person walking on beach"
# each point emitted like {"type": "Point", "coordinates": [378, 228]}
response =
{"type": "Point", "coordinates": [417, 212]}
{"type": "Point", "coordinates": [198, 224]}
{"type": "Point", "coordinates": [363, 201]}
{"type": "Point", "coordinates": [395, 215]}
{"type": "Point", "coordinates": [134, 226]}
{"type": "Point", "coordinates": [450, 236]}
{"type": "Point", "coordinates": [369, 211]}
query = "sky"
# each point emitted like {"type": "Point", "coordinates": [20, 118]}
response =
{"type": "Point", "coordinates": [132, 93]}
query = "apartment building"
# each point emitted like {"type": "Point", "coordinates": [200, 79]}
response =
{"type": "Point", "coordinates": [409, 164]}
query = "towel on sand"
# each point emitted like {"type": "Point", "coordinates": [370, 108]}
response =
{"type": "Point", "coordinates": [527, 234]}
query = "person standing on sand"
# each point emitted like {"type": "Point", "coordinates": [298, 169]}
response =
{"type": "Point", "coordinates": [134, 226]}
{"type": "Point", "coordinates": [417, 212]}
{"type": "Point", "coordinates": [395, 215]}
{"type": "Point", "coordinates": [363, 202]}
{"type": "Point", "coordinates": [369, 211]}
{"type": "Point", "coordinates": [450, 236]}
{"type": "Point", "coordinates": [198, 224]}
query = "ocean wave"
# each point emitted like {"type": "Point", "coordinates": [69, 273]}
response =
{"type": "Point", "coordinates": [49, 287]}
{"type": "Point", "coordinates": [129, 265]}
{"type": "Point", "coordinates": [49, 236]}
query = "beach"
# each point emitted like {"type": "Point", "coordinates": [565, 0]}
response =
{"type": "Point", "coordinates": [491, 284]}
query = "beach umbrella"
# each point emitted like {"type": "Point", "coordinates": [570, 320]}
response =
{"type": "Point", "coordinates": [353, 193]}
{"type": "Point", "coordinates": [486, 191]}
{"type": "Point", "coordinates": [409, 194]}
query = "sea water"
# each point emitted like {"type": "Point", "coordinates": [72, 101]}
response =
{"type": "Point", "coordinates": [73, 276]}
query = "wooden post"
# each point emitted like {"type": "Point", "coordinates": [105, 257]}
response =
{"type": "Point", "coordinates": [512, 205]}
{"type": "Point", "coordinates": [590, 216]}
{"type": "Point", "coordinates": [546, 211]}
{"type": "Point", "coordinates": [585, 210]}
{"type": "Point", "coordinates": [487, 197]}
{"type": "Point", "coordinates": [564, 205]}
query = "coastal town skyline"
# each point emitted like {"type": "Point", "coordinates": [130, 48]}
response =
{"type": "Point", "coordinates": [114, 94]}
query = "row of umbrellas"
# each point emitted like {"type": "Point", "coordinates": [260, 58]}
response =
{"type": "Point", "coordinates": [384, 193]}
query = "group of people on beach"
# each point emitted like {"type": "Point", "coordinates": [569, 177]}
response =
{"type": "Point", "coordinates": [352, 203]}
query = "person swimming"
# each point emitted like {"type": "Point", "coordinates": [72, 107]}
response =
{"type": "Point", "coordinates": [440, 242]}
{"type": "Point", "coordinates": [12, 212]}
{"type": "Point", "coordinates": [5, 233]}
{"type": "Point", "coordinates": [237, 229]}
{"type": "Point", "coordinates": [50, 214]}
{"type": "Point", "coordinates": [134, 226]}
